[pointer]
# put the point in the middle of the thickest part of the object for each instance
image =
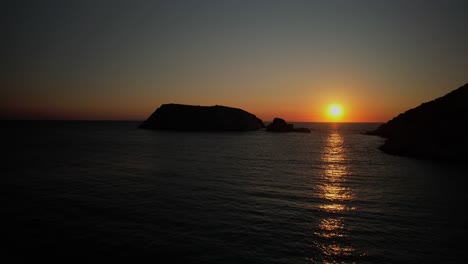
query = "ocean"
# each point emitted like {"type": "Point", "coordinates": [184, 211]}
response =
{"type": "Point", "coordinates": [109, 191]}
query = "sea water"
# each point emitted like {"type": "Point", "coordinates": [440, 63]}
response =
{"type": "Point", "coordinates": [110, 190]}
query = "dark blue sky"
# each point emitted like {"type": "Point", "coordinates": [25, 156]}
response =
{"type": "Point", "coordinates": [121, 59]}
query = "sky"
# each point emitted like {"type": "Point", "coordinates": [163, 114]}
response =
{"type": "Point", "coordinates": [120, 60]}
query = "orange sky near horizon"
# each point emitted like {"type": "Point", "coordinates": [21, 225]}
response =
{"type": "Point", "coordinates": [301, 105]}
{"type": "Point", "coordinates": [293, 115]}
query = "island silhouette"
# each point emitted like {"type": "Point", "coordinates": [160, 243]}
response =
{"type": "Point", "coordinates": [280, 125]}
{"type": "Point", "coordinates": [201, 118]}
{"type": "Point", "coordinates": [434, 130]}
{"type": "Point", "coordinates": [182, 117]}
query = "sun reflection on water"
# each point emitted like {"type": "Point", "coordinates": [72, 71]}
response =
{"type": "Point", "coordinates": [335, 194]}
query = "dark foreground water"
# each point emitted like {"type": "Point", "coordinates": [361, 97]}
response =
{"type": "Point", "coordinates": [106, 190]}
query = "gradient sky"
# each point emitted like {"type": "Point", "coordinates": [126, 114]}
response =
{"type": "Point", "coordinates": [122, 59]}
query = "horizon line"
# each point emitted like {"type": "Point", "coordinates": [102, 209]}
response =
{"type": "Point", "coordinates": [142, 120]}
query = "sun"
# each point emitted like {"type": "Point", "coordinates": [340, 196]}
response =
{"type": "Point", "coordinates": [335, 111]}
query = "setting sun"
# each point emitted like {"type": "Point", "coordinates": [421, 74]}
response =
{"type": "Point", "coordinates": [335, 111]}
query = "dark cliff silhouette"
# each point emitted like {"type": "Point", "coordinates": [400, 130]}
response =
{"type": "Point", "coordinates": [434, 130]}
{"type": "Point", "coordinates": [201, 118]}
{"type": "Point", "coordinates": [280, 125]}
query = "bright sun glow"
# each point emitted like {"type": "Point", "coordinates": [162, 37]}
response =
{"type": "Point", "coordinates": [335, 111]}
